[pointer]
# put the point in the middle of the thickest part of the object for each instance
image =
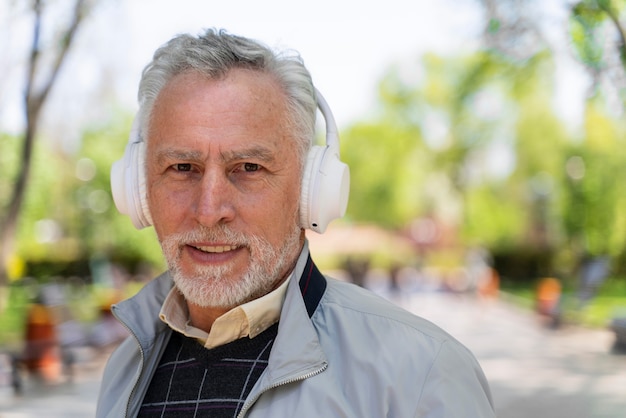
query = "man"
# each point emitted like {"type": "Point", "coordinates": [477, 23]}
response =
{"type": "Point", "coordinates": [243, 324]}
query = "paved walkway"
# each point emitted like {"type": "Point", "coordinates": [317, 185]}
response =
{"type": "Point", "coordinates": [76, 399]}
{"type": "Point", "coordinates": [534, 372]}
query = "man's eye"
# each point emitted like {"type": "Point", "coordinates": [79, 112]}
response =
{"type": "Point", "coordinates": [249, 167]}
{"type": "Point", "coordinates": [182, 167]}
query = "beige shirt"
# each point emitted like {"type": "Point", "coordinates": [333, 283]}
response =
{"type": "Point", "coordinates": [249, 319]}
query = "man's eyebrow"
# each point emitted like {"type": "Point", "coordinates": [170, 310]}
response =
{"type": "Point", "coordinates": [257, 153]}
{"type": "Point", "coordinates": [178, 154]}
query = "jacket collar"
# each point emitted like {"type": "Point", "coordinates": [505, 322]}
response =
{"type": "Point", "coordinates": [140, 313]}
{"type": "Point", "coordinates": [312, 286]}
{"type": "Point", "coordinates": [297, 352]}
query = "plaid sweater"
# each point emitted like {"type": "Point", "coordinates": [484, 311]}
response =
{"type": "Point", "coordinates": [192, 381]}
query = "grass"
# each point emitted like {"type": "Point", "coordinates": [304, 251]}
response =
{"type": "Point", "coordinates": [609, 302]}
{"type": "Point", "coordinates": [602, 310]}
{"type": "Point", "coordinates": [13, 308]}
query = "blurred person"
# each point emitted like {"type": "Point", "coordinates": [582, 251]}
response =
{"type": "Point", "coordinates": [549, 300]}
{"type": "Point", "coordinates": [593, 272]}
{"type": "Point", "coordinates": [42, 351]}
{"type": "Point", "coordinates": [51, 335]}
{"type": "Point", "coordinates": [243, 323]}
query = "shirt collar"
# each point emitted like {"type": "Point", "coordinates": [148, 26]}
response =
{"type": "Point", "coordinates": [249, 319]}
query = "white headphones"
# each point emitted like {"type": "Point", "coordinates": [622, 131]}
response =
{"type": "Point", "coordinates": [325, 179]}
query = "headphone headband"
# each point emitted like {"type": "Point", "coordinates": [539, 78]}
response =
{"type": "Point", "coordinates": [332, 133]}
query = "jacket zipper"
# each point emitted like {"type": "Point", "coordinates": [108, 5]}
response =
{"type": "Point", "coordinates": [251, 402]}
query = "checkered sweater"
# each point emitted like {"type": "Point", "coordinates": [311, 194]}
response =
{"type": "Point", "coordinates": [192, 381]}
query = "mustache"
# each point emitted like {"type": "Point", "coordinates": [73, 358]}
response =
{"type": "Point", "coordinates": [220, 233]}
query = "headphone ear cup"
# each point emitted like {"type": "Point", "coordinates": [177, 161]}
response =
{"type": "Point", "coordinates": [325, 189]}
{"type": "Point", "coordinates": [313, 161]}
{"type": "Point", "coordinates": [128, 185]}
{"type": "Point", "coordinates": [142, 215]}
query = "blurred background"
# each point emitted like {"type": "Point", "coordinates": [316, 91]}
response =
{"type": "Point", "coordinates": [486, 141]}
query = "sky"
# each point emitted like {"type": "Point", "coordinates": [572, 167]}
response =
{"type": "Point", "coordinates": [348, 46]}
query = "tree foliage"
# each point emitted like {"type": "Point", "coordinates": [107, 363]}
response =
{"type": "Point", "coordinates": [68, 217]}
{"type": "Point", "coordinates": [553, 190]}
{"type": "Point", "coordinates": [386, 166]}
{"type": "Point", "coordinates": [40, 78]}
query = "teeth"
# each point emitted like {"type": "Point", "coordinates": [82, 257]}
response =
{"type": "Point", "coordinates": [217, 248]}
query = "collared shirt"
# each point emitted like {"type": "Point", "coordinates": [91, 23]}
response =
{"type": "Point", "coordinates": [249, 319]}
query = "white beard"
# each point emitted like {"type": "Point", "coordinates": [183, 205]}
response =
{"type": "Point", "coordinates": [216, 286]}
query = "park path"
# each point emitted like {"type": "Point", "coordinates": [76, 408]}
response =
{"type": "Point", "coordinates": [534, 371]}
{"type": "Point", "coordinates": [75, 399]}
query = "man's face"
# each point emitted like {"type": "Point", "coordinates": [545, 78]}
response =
{"type": "Point", "coordinates": [223, 186]}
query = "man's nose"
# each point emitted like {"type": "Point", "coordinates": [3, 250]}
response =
{"type": "Point", "coordinates": [215, 199]}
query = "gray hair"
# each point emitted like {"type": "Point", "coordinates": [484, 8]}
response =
{"type": "Point", "coordinates": [213, 54]}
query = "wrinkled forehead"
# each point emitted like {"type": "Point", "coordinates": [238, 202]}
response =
{"type": "Point", "coordinates": [241, 99]}
{"type": "Point", "coordinates": [242, 111]}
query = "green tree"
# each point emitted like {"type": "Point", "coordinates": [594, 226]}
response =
{"type": "Point", "coordinates": [584, 212]}
{"type": "Point", "coordinates": [102, 228]}
{"type": "Point", "coordinates": [599, 40]}
{"type": "Point", "coordinates": [40, 78]}
{"type": "Point", "coordinates": [386, 168]}
{"type": "Point", "coordinates": [593, 200]}
{"type": "Point", "coordinates": [68, 216]}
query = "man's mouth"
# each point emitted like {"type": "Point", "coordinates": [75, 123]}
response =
{"type": "Point", "coordinates": [215, 248]}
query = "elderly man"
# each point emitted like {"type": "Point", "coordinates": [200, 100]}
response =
{"type": "Point", "coordinates": [221, 163]}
